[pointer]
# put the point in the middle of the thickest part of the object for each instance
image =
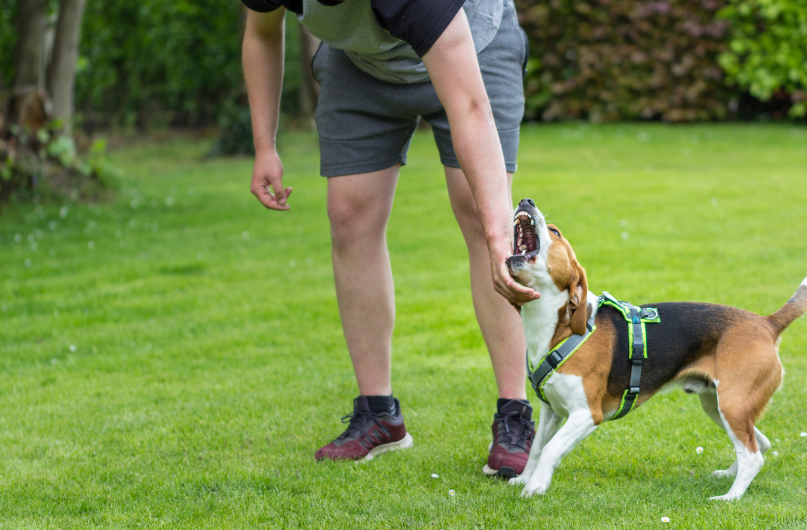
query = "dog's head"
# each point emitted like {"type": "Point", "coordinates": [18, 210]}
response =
{"type": "Point", "coordinates": [542, 259]}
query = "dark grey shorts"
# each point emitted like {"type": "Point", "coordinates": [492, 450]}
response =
{"type": "Point", "coordinates": [366, 124]}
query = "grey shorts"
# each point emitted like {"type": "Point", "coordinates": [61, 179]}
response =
{"type": "Point", "coordinates": [366, 124]}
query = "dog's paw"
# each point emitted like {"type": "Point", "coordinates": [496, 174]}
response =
{"type": "Point", "coordinates": [720, 473]}
{"type": "Point", "coordinates": [517, 481]}
{"type": "Point", "coordinates": [529, 491]}
{"type": "Point", "coordinates": [726, 497]}
{"type": "Point", "coordinates": [730, 472]}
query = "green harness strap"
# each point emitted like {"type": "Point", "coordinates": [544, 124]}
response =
{"type": "Point", "coordinates": [636, 317]}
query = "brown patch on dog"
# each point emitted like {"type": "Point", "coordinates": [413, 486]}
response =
{"type": "Point", "coordinates": [592, 362]}
{"type": "Point", "coordinates": [568, 275]}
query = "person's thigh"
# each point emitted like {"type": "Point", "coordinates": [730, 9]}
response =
{"type": "Point", "coordinates": [363, 123]}
{"type": "Point", "coordinates": [502, 65]}
{"type": "Point", "coordinates": [359, 205]}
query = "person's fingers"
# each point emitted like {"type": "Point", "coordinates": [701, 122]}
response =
{"type": "Point", "coordinates": [267, 198]}
{"type": "Point", "coordinates": [276, 181]}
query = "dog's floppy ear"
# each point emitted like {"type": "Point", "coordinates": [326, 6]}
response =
{"type": "Point", "coordinates": [578, 295]}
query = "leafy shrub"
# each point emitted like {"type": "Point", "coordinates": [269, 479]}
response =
{"type": "Point", "coordinates": [768, 49]}
{"type": "Point", "coordinates": [624, 59]}
{"type": "Point", "coordinates": [46, 162]}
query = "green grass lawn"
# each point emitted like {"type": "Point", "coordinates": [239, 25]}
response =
{"type": "Point", "coordinates": [174, 359]}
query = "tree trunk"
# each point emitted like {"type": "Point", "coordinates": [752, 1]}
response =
{"type": "Point", "coordinates": [62, 70]}
{"type": "Point", "coordinates": [309, 88]}
{"type": "Point", "coordinates": [31, 21]}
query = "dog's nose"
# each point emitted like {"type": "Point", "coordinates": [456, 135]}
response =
{"type": "Point", "coordinates": [527, 201]}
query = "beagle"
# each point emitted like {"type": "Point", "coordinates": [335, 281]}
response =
{"type": "Point", "coordinates": [728, 356]}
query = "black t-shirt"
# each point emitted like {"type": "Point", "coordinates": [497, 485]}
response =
{"type": "Point", "coordinates": [416, 22]}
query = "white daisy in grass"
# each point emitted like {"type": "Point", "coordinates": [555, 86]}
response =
{"type": "Point", "coordinates": [435, 475]}
{"type": "Point", "coordinates": [803, 435]}
{"type": "Point", "coordinates": [776, 453]}
{"type": "Point", "coordinates": [665, 519]}
{"type": "Point", "coordinates": [451, 493]}
{"type": "Point", "coordinates": [699, 450]}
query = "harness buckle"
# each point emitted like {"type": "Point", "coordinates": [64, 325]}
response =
{"type": "Point", "coordinates": [636, 361]}
{"type": "Point", "coordinates": [554, 359]}
{"type": "Point", "coordinates": [634, 390]}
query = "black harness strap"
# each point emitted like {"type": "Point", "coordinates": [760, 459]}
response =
{"type": "Point", "coordinates": [636, 357]}
{"type": "Point", "coordinates": [555, 359]}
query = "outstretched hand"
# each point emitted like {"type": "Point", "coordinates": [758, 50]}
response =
{"type": "Point", "coordinates": [267, 181]}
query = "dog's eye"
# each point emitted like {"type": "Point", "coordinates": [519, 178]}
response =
{"type": "Point", "coordinates": [555, 231]}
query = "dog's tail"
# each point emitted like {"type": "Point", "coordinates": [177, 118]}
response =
{"type": "Point", "coordinates": [793, 309]}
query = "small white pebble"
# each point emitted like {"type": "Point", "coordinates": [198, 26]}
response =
{"type": "Point", "coordinates": [699, 450]}
{"type": "Point", "coordinates": [72, 347]}
{"type": "Point", "coordinates": [665, 519]}
{"type": "Point", "coordinates": [776, 453]}
{"type": "Point", "coordinates": [451, 492]}
{"type": "Point", "coordinates": [435, 475]}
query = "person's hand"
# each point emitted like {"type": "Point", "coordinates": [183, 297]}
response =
{"type": "Point", "coordinates": [268, 171]}
{"type": "Point", "coordinates": [503, 282]}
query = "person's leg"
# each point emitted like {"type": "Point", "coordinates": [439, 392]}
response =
{"type": "Point", "coordinates": [358, 208]}
{"type": "Point", "coordinates": [499, 322]}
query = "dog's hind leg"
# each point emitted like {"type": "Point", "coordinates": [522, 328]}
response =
{"type": "Point", "coordinates": [738, 421]}
{"type": "Point", "coordinates": [709, 403]}
{"type": "Point", "coordinates": [548, 423]}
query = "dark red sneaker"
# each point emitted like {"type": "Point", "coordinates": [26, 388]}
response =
{"type": "Point", "coordinates": [513, 431]}
{"type": "Point", "coordinates": [368, 434]}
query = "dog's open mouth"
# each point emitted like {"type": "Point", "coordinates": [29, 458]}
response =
{"type": "Point", "coordinates": [526, 241]}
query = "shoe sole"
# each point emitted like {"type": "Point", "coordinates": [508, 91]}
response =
{"type": "Point", "coordinates": [505, 472]}
{"type": "Point", "coordinates": [404, 443]}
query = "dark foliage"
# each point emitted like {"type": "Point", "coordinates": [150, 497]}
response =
{"type": "Point", "coordinates": [625, 59]}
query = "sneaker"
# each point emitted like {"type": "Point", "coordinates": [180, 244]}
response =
{"type": "Point", "coordinates": [513, 431]}
{"type": "Point", "coordinates": [367, 435]}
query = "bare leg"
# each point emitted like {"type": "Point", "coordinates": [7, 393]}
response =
{"type": "Point", "coordinates": [498, 320]}
{"type": "Point", "coordinates": [359, 207]}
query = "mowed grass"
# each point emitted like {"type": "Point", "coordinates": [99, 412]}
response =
{"type": "Point", "coordinates": [174, 359]}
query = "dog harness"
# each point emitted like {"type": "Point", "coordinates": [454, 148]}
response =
{"type": "Point", "coordinates": [636, 317]}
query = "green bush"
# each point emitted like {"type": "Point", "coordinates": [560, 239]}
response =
{"type": "Point", "coordinates": [624, 59]}
{"type": "Point", "coordinates": [768, 49]}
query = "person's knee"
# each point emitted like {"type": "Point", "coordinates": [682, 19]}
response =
{"type": "Point", "coordinates": [352, 221]}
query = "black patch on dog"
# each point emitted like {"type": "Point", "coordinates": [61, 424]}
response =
{"type": "Point", "coordinates": [687, 332]}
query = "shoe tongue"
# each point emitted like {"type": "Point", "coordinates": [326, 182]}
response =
{"type": "Point", "coordinates": [516, 405]}
{"type": "Point", "coordinates": [360, 404]}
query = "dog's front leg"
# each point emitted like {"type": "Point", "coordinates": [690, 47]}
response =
{"type": "Point", "coordinates": [548, 423]}
{"type": "Point", "coordinates": [579, 425]}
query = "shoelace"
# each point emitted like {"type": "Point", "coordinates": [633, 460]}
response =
{"type": "Point", "coordinates": [519, 433]}
{"type": "Point", "coordinates": [357, 420]}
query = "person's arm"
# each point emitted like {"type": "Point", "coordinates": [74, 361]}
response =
{"type": "Point", "coordinates": [454, 70]}
{"type": "Point", "coordinates": [262, 55]}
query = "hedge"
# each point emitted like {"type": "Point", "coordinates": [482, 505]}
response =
{"type": "Point", "coordinates": [605, 60]}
